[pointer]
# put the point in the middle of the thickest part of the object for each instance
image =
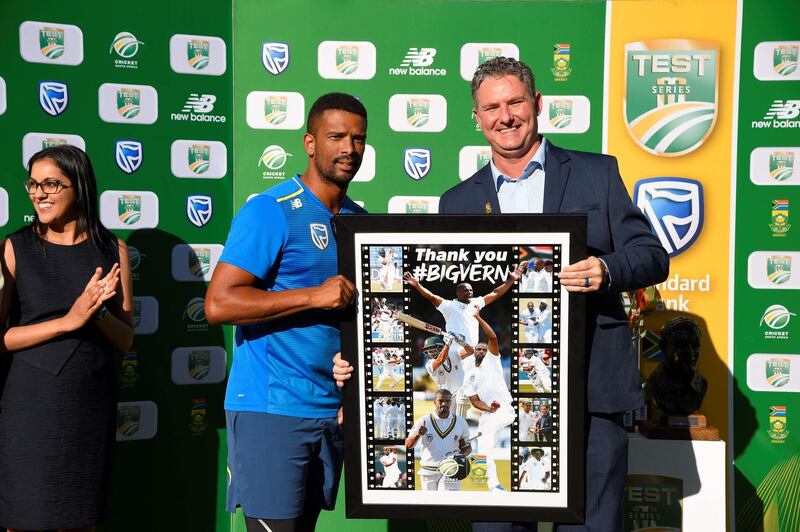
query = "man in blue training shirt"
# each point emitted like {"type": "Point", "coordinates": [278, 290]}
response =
{"type": "Point", "coordinates": [277, 281]}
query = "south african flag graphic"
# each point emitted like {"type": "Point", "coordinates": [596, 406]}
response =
{"type": "Point", "coordinates": [670, 94]}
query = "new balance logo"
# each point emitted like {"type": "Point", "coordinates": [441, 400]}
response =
{"type": "Point", "coordinates": [782, 114]}
{"type": "Point", "coordinates": [198, 108]}
{"type": "Point", "coordinates": [199, 103]}
{"type": "Point", "coordinates": [419, 57]}
{"type": "Point", "coordinates": [416, 63]}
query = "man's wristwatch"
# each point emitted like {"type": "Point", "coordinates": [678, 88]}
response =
{"type": "Point", "coordinates": [101, 314]}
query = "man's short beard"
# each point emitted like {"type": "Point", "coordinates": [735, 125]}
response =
{"type": "Point", "coordinates": [331, 176]}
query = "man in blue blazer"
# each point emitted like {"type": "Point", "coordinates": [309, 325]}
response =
{"type": "Point", "coordinates": [528, 174]}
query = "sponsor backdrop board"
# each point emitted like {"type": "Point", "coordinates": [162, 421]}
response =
{"type": "Point", "coordinates": [128, 85]}
{"type": "Point", "coordinates": [412, 83]}
{"type": "Point", "coordinates": [766, 329]}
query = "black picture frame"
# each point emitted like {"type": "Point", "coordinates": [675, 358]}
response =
{"type": "Point", "coordinates": [364, 498]}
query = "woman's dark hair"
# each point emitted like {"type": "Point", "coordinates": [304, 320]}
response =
{"type": "Point", "coordinates": [75, 164]}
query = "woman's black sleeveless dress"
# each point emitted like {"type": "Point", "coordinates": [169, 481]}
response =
{"type": "Point", "coordinates": [57, 400]}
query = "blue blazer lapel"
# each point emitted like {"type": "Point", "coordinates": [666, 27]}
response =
{"type": "Point", "coordinates": [556, 170]}
{"type": "Point", "coordinates": [485, 192]}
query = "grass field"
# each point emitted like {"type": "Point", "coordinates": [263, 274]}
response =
{"type": "Point", "coordinates": [388, 385]}
{"type": "Point", "coordinates": [376, 286]}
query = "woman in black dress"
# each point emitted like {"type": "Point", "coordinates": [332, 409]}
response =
{"type": "Point", "coordinates": [68, 301]}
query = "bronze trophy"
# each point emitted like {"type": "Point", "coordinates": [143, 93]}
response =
{"type": "Point", "coordinates": [677, 388]}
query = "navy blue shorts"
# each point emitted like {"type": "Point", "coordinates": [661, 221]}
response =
{"type": "Point", "coordinates": [277, 465]}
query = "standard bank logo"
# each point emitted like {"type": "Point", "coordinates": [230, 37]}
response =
{"type": "Point", "coordinates": [366, 172]}
{"type": "Point", "coordinates": [128, 104]}
{"type": "Point", "coordinates": [471, 159]}
{"type": "Point", "coordinates": [775, 166]}
{"type": "Point", "coordinates": [782, 114]}
{"type": "Point", "coordinates": [475, 54]}
{"type": "Point", "coordinates": [53, 97]}
{"type": "Point", "coordinates": [776, 61]}
{"type": "Point", "coordinates": [413, 204]}
{"type": "Point", "coordinates": [198, 108]}
{"type": "Point", "coordinates": [417, 162]}
{"type": "Point", "coordinates": [197, 54]}
{"type": "Point", "coordinates": [674, 207]}
{"type": "Point", "coordinates": [205, 159]}
{"type": "Point", "coordinates": [564, 114]}
{"type": "Point", "coordinates": [198, 365]}
{"type": "Point", "coordinates": [3, 207]}
{"type": "Point", "coordinates": [137, 420]}
{"type": "Point", "coordinates": [34, 142]}
{"type": "Point", "coordinates": [124, 209]}
{"type": "Point", "coordinates": [418, 62]}
{"type": "Point", "coordinates": [670, 96]}
{"type": "Point", "coordinates": [3, 103]}
{"type": "Point", "coordinates": [346, 59]}
{"type": "Point", "coordinates": [773, 269]}
{"type": "Point", "coordinates": [199, 209]}
{"type": "Point", "coordinates": [773, 373]}
{"type": "Point", "coordinates": [145, 311]}
{"type": "Point", "coordinates": [275, 110]}
{"type": "Point", "coordinates": [418, 112]}
{"type": "Point", "coordinates": [128, 154]}
{"type": "Point", "coordinates": [51, 43]}
{"type": "Point", "coordinates": [195, 262]}
{"type": "Point", "coordinates": [275, 57]}
{"type": "Point", "coordinates": [319, 235]}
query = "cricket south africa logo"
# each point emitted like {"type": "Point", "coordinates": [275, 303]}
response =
{"type": "Point", "coordinates": [674, 207]}
{"type": "Point", "coordinates": [125, 44]}
{"type": "Point", "coordinates": [53, 97]}
{"type": "Point", "coordinates": [670, 96]}
{"type": "Point", "coordinates": [776, 317]}
{"type": "Point", "coordinates": [273, 159]}
{"type": "Point", "coordinates": [275, 57]}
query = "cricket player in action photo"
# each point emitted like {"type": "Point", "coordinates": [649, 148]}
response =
{"type": "Point", "coordinates": [444, 439]}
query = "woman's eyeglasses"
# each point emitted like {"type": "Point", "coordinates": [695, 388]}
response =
{"type": "Point", "coordinates": [48, 186]}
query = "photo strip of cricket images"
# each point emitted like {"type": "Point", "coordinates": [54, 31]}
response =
{"type": "Point", "coordinates": [461, 353]}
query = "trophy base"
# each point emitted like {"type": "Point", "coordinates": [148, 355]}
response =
{"type": "Point", "coordinates": [658, 431]}
{"type": "Point", "coordinates": [692, 420]}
